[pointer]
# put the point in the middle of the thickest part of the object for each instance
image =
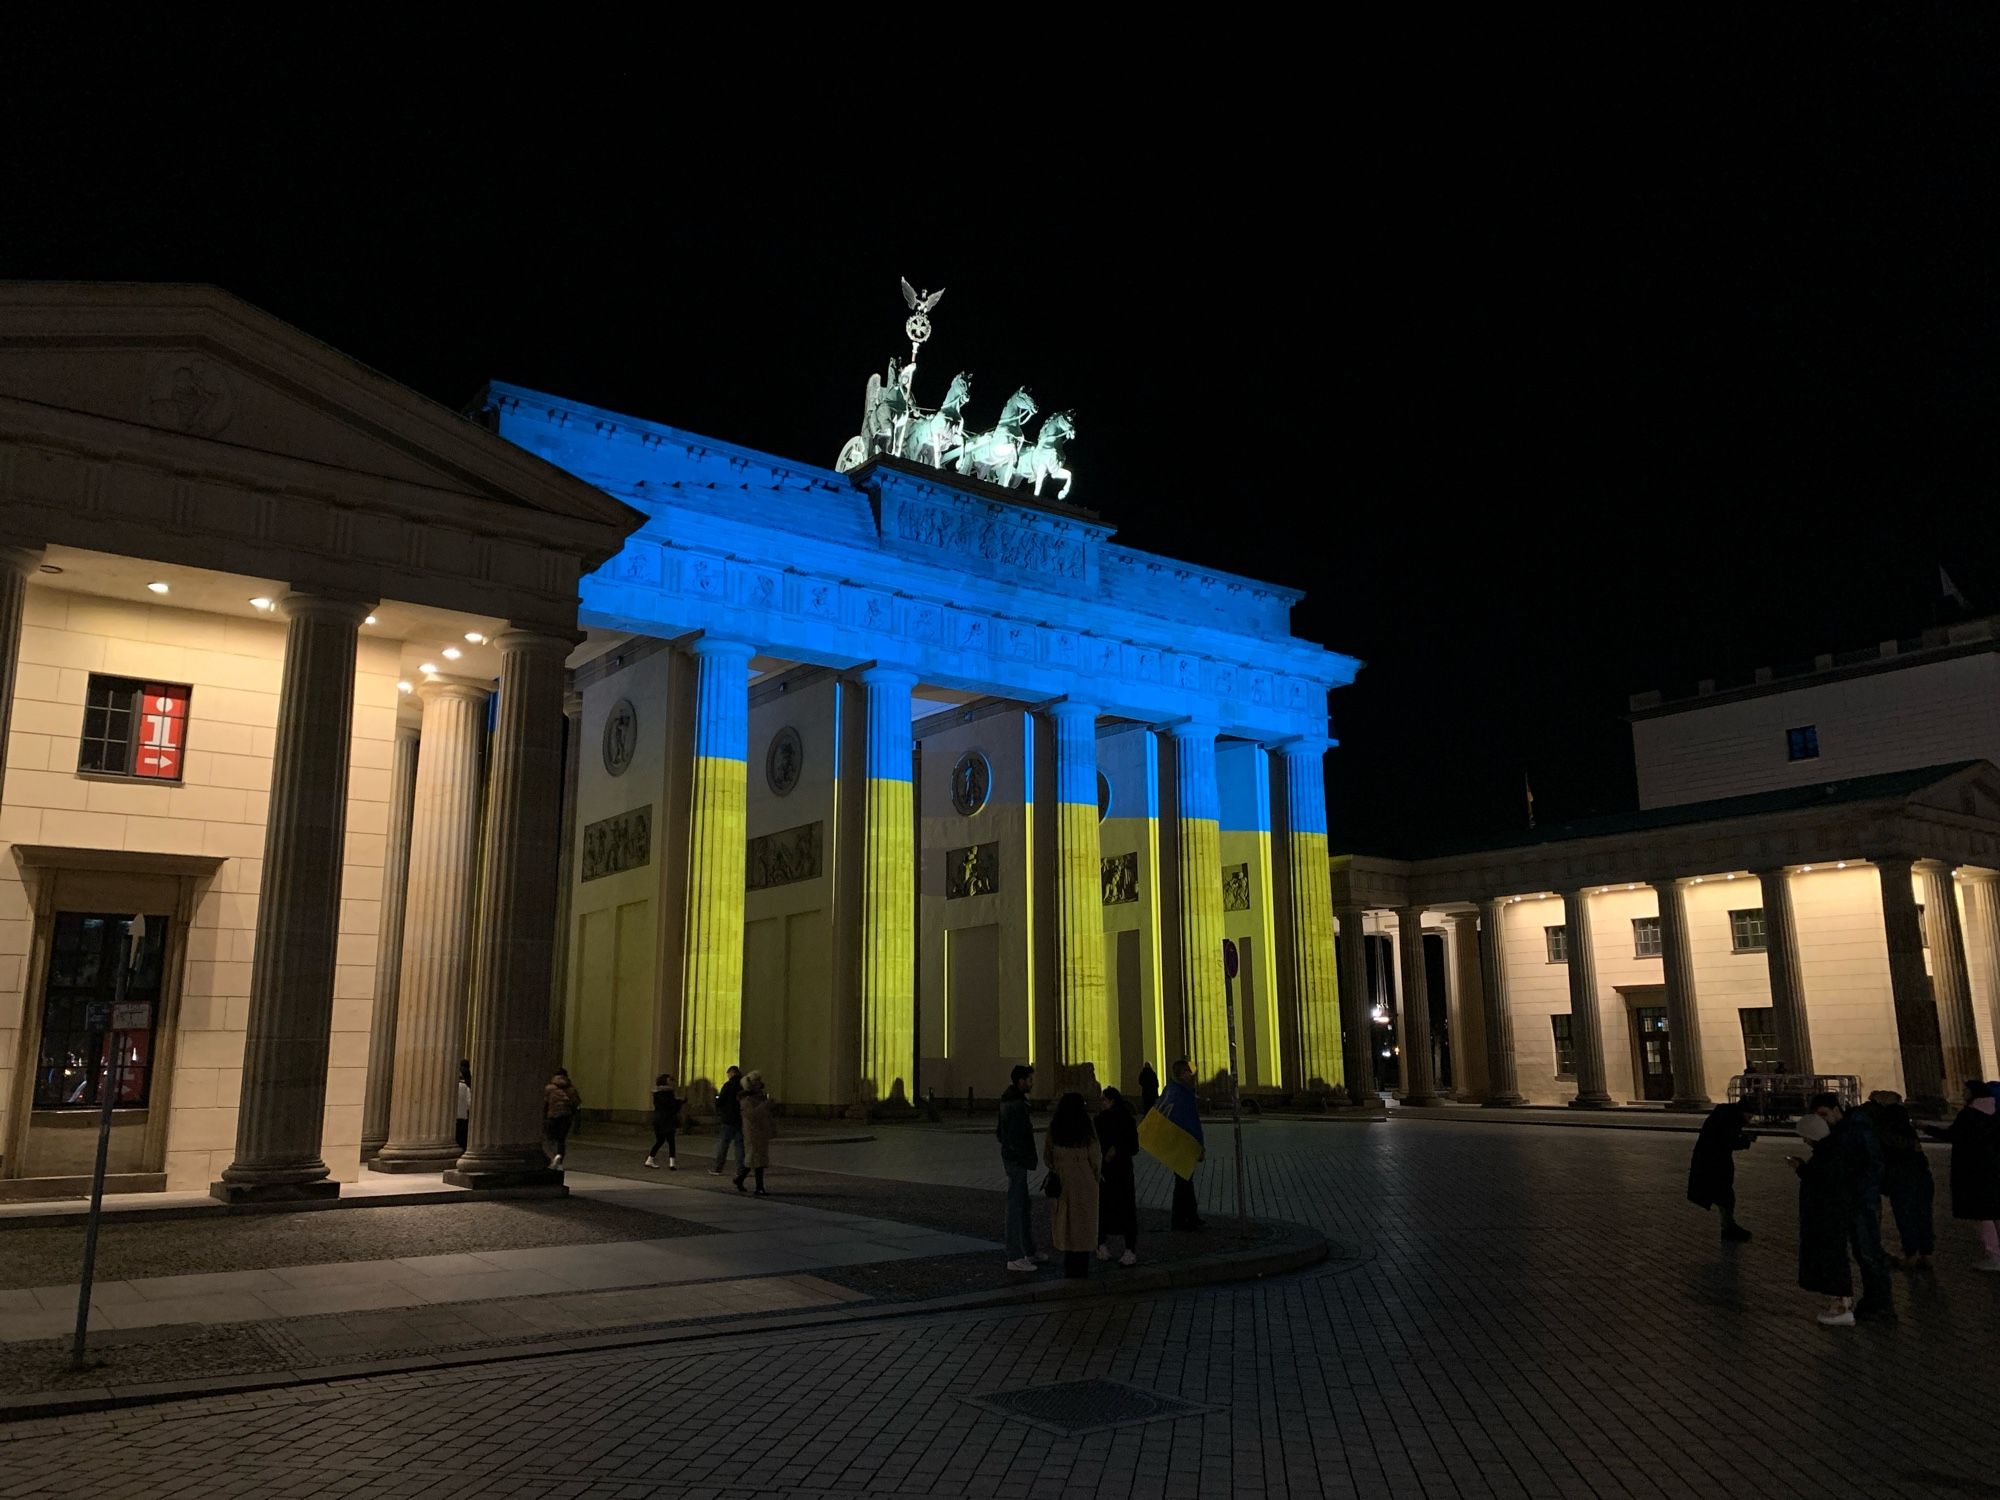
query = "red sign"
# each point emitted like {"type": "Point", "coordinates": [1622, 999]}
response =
{"type": "Point", "coordinates": [162, 732]}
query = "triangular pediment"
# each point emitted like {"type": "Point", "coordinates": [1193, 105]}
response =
{"type": "Point", "coordinates": [1972, 792]}
{"type": "Point", "coordinates": [198, 362]}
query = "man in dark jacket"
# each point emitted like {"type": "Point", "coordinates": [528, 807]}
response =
{"type": "Point", "coordinates": [729, 1121]}
{"type": "Point", "coordinates": [1858, 1151]}
{"type": "Point", "coordinates": [1016, 1133]}
{"type": "Point", "coordinates": [1712, 1170]}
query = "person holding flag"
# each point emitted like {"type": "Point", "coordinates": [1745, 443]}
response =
{"type": "Point", "coordinates": [1171, 1134]}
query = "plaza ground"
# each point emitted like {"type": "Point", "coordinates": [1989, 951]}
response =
{"type": "Point", "coordinates": [1525, 1312]}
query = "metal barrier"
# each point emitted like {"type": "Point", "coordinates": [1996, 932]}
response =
{"type": "Point", "coordinates": [1776, 1097]}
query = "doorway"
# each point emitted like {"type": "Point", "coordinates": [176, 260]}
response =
{"type": "Point", "coordinates": [1652, 1053]}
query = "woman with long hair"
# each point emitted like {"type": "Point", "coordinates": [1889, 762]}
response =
{"type": "Point", "coordinates": [1075, 1164]}
{"type": "Point", "coordinates": [1118, 1194]}
{"type": "Point", "coordinates": [758, 1128]}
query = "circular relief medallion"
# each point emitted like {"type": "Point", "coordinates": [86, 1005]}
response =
{"type": "Point", "coordinates": [971, 783]}
{"type": "Point", "coordinates": [783, 760]}
{"type": "Point", "coordinates": [1103, 796]}
{"type": "Point", "coordinates": [621, 736]}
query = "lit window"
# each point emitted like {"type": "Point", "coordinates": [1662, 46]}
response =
{"type": "Point", "coordinates": [1565, 1046]}
{"type": "Point", "coordinates": [1760, 1036]}
{"type": "Point", "coordinates": [1746, 930]}
{"type": "Point", "coordinates": [1645, 937]}
{"type": "Point", "coordinates": [133, 728]}
{"type": "Point", "coordinates": [1802, 743]}
{"type": "Point", "coordinates": [1558, 940]}
{"type": "Point", "coordinates": [94, 1028]}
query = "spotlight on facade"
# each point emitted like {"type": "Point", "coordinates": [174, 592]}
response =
{"type": "Point", "coordinates": [50, 568]}
{"type": "Point", "coordinates": [405, 687]}
{"type": "Point", "coordinates": [429, 667]}
{"type": "Point", "coordinates": [369, 621]}
{"type": "Point", "coordinates": [1805, 869]}
{"type": "Point", "coordinates": [157, 588]}
{"type": "Point", "coordinates": [260, 602]}
{"type": "Point", "coordinates": [475, 637]}
{"type": "Point", "coordinates": [452, 653]}
{"type": "Point", "coordinates": [1841, 865]}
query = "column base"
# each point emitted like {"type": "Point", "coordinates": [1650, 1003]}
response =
{"type": "Point", "coordinates": [1421, 1101]}
{"type": "Point", "coordinates": [1691, 1106]}
{"type": "Point", "coordinates": [525, 1181]}
{"type": "Point", "coordinates": [372, 1149]}
{"type": "Point", "coordinates": [1501, 1101]}
{"type": "Point", "coordinates": [1593, 1101]}
{"type": "Point", "coordinates": [434, 1162]}
{"type": "Point", "coordinates": [274, 1192]}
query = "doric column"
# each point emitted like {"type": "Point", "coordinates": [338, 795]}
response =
{"type": "Point", "coordinates": [566, 865]}
{"type": "Point", "coordinates": [1315, 981]}
{"type": "Point", "coordinates": [282, 1102]}
{"type": "Point", "coordinates": [1683, 1009]}
{"type": "Point", "coordinates": [511, 1055]}
{"type": "Point", "coordinates": [1419, 1080]}
{"type": "Point", "coordinates": [1198, 821]}
{"type": "Point", "coordinates": [1781, 956]}
{"type": "Point", "coordinates": [1503, 1087]}
{"type": "Point", "coordinates": [1951, 980]}
{"type": "Point", "coordinates": [17, 564]}
{"type": "Point", "coordinates": [1468, 1011]}
{"type": "Point", "coordinates": [389, 945]}
{"type": "Point", "coordinates": [1917, 1031]}
{"type": "Point", "coordinates": [712, 969]}
{"type": "Point", "coordinates": [1357, 1023]}
{"type": "Point", "coordinates": [437, 926]}
{"type": "Point", "coordinates": [888, 892]}
{"type": "Point", "coordinates": [1079, 935]}
{"type": "Point", "coordinates": [1982, 933]}
{"type": "Point", "coordinates": [1586, 1026]}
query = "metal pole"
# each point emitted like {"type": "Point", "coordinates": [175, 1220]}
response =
{"type": "Point", "coordinates": [120, 987]}
{"type": "Point", "coordinates": [1235, 1093]}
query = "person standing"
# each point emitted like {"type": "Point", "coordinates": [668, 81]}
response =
{"type": "Point", "coordinates": [1075, 1164]}
{"type": "Point", "coordinates": [666, 1120]}
{"type": "Point", "coordinates": [728, 1120]}
{"type": "Point", "coordinates": [1712, 1169]}
{"type": "Point", "coordinates": [1117, 1196]}
{"type": "Point", "coordinates": [1858, 1152]}
{"type": "Point", "coordinates": [1016, 1134]}
{"type": "Point", "coordinates": [1171, 1133]}
{"type": "Point", "coordinates": [1975, 1167]}
{"type": "Point", "coordinates": [464, 1100]}
{"type": "Point", "coordinates": [1906, 1178]}
{"type": "Point", "coordinates": [758, 1126]}
{"type": "Point", "coordinates": [1825, 1212]}
{"type": "Point", "coordinates": [560, 1102]}
{"type": "Point", "coordinates": [1149, 1087]}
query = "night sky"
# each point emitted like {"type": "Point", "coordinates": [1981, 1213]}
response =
{"type": "Point", "coordinates": [1552, 365]}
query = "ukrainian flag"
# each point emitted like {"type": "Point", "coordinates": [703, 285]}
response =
{"type": "Point", "coordinates": [1171, 1131]}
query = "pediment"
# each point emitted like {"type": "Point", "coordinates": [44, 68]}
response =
{"type": "Point", "coordinates": [1973, 793]}
{"type": "Point", "coordinates": [197, 362]}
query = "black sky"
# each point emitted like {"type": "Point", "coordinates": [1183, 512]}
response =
{"type": "Point", "coordinates": [1553, 363]}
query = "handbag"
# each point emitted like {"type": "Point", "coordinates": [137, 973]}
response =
{"type": "Point", "coordinates": [1052, 1185]}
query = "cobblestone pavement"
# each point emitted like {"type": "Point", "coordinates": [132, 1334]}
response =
{"type": "Point", "coordinates": [1542, 1315]}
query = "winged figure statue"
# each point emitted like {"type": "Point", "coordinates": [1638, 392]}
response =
{"type": "Point", "coordinates": [921, 302]}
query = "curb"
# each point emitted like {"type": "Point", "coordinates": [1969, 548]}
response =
{"type": "Point", "coordinates": [72, 1217]}
{"type": "Point", "coordinates": [1225, 1268]}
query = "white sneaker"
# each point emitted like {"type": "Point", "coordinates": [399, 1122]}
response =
{"type": "Point", "coordinates": [649, 1162]}
{"type": "Point", "coordinates": [1841, 1319]}
{"type": "Point", "coordinates": [557, 1162]}
{"type": "Point", "coordinates": [1020, 1265]}
{"type": "Point", "coordinates": [1104, 1252]}
{"type": "Point", "coordinates": [1991, 1263]}
{"type": "Point", "coordinates": [1129, 1258]}
{"type": "Point", "coordinates": [670, 1165]}
{"type": "Point", "coordinates": [715, 1171]}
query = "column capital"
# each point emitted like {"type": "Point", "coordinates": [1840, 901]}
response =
{"type": "Point", "coordinates": [1462, 916]}
{"type": "Point", "coordinates": [1935, 864]}
{"type": "Point", "coordinates": [1070, 709]}
{"type": "Point", "coordinates": [21, 560]}
{"type": "Point", "coordinates": [1892, 862]}
{"type": "Point", "coordinates": [1972, 876]}
{"type": "Point", "coordinates": [535, 640]}
{"type": "Point", "coordinates": [720, 646]}
{"type": "Point", "coordinates": [572, 705]}
{"type": "Point", "coordinates": [439, 686]}
{"type": "Point", "coordinates": [1302, 747]}
{"type": "Point", "coordinates": [303, 603]}
{"type": "Point", "coordinates": [1192, 730]}
{"type": "Point", "coordinates": [886, 674]}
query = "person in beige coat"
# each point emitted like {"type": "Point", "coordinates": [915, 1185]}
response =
{"type": "Point", "coordinates": [1076, 1166]}
{"type": "Point", "coordinates": [758, 1128]}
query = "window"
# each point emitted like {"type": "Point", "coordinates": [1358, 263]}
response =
{"type": "Point", "coordinates": [1746, 930]}
{"type": "Point", "coordinates": [89, 1020]}
{"type": "Point", "coordinates": [1565, 1047]}
{"type": "Point", "coordinates": [1645, 937]}
{"type": "Point", "coordinates": [1558, 939]}
{"type": "Point", "coordinates": [133, 728]}
{"type": "Point", "coordinates": [1760, 1036]}
{"type": "Point", "coordinates": [1802, 743]}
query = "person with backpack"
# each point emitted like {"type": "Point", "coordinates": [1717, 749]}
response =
{"type": "Point", "coordinates": [560, 1102]}
{"type": "Point", "coordinates": [666, 1120]}
{"type": "Point", "coordinates": [728, 1120]}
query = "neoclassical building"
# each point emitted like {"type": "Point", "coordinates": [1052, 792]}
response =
{"type": "Point", "coordinates": [543, 732]}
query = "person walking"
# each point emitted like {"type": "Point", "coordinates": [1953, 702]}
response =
{"type": "Point", "coordinates": [1016, 1134]}
{"type": "Point", "coordinates": [1712, 1168]}
{"type": "Point", "coordinates": [1076, 1170]}
{"type": "Point", "coordinates": [1975, 1167]}
{"type": "Point", "coordinates": [1149, 1087]}
{"type": "Point", "coordinates": [1824, 1216]}
{"type": "Point", "coordinates": [758, 1126]}
{"type": "Point", "coordinates": [464, 1100]}
{"type": "Point", "coordinates": [1117, 1195]}
{"type": "Point", "coordinates": [1171, 1132]}
{"type": "Point", "coordinates": [666, 1121]}
{"type": "Point", "coordinates": [1858, 1152]}
{"type": "Point", "coordinates": [728, 1120]}
{"type": "Point", "coordinates": [1906, 1178]}
{"type": "Point", "coordinates": [560, 1102]}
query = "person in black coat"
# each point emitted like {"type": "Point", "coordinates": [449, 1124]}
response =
{"type": "Point", "coordinates": [1858, 1150]}
{"type": "Point", "coordinates": [666, 1120]}
{"type": "Point", "coordinates": [1712, 1169]}
{"type": "Point", "coordinates": [1149, 1087]}
{"type": "Point", "coordinates": [1906, 1177]}
{"type": "Point", "coordinates": [1117, 1193]}
{"type": "Point", "coordinates": [1975, 1167]}
{"type": "Point", "coordinates": [1825, 1209]}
